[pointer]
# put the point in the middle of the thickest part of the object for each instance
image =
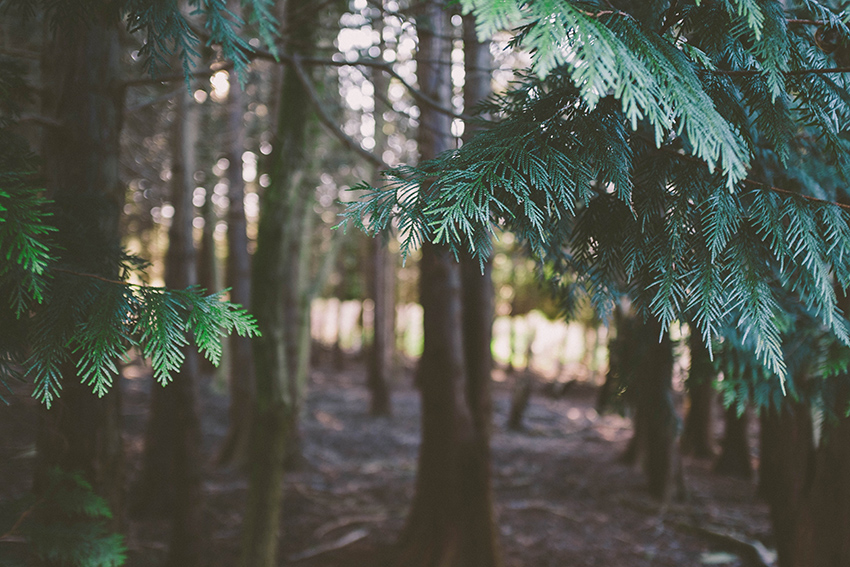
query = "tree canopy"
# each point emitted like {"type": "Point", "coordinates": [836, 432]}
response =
{"type": "Point", "coordinates": [690, 154]}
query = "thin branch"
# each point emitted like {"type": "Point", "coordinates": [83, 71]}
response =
{"type": "Point", "coordinates": [9, 534]}
{"type": "Point", "coordinates": [95, 277]}
{"type": "Point", "coordinates": [326, 119]}
{"type": "Point", "coordinates": [172, 77]}
{"type": "Point", "coordinates": [752, 72]}
{"type": "Point", "coordinates": [791, 193]}
{"type": "Point", "coordinates": [755, 183]}
{"type": "Point", "coordinates": [39, 119]}
{"type": "Point", "coordinates": [805, 22]}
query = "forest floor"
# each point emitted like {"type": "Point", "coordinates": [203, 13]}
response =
{"type": "Point", "coordinates": [563, 496]}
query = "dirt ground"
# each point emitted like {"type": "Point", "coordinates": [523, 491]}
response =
{"type": "Point", "coordinates": [563, 497]}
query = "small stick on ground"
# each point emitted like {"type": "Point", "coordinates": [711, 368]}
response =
{"type": "Point", "coordinates": [327, 528]}
{"type": "Point", "coordinates": [344, 541]}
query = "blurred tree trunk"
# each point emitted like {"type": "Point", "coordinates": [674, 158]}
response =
{"type": "Point", "coordinates": [734, 456]}
{"type": "Point", "coordinates": [617, 347]}
{"type": "Point", "coordinates": [451, 520]}
{"type": "Point", "coordinates": [656, 423]}
{"type": "Point", "coordinates": [382, 280]}
{"type": "Point", "coordinates": [698, 434]}
{"type": "Point", "coordinates": [280, 300]}
{"type": "Point", "coordinates": [170, 482]}
{"type": "Point", "coordinates": [238, 275]}
{"type": "Point", "coordinates": [807, 486]}
{"type": "Point", "coordinates": [80, 69]}
{"type": "Point", "coordinates": [207, 267]}
{"type": "Point", "coordinates": [207, 260]}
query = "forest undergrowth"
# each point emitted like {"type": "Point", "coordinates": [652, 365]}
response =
{"type": "Point", "coordinates": [563, 496]}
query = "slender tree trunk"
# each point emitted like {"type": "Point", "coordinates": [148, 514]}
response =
{"type": "Point", "coordinates": [617, 346]}
{"type": "Point", "coordinates": [280, 301]}
{"type": "Point", "coordinates": [807, 487]}
{"type": "Point", "coordinates": [451, 521]}
{"type": "Point", "coordinates": [656, 422]}
{"type": "Point", "coordinates": [80, 67]}
{"type": "Point", "coordinates": [382, 281]}
{"type": "Point", "coordinates": [478, 312]}
{"type": "Point", "coordinates": [170, 481]}
{"type": "Point", "coordinates": [698, 434]}
{"type": "Point", "coordinates": [238, 274]}
{"type": "Point", "coordinates": [207, 260]}
{"type": "Point", "coordinates": [734, 456]}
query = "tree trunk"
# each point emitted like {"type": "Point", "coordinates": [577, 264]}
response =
{"type": "Point", "coordinates": [656, 422]}
{"type": "Point", "coordinates": [170, 483]}
{"type": "Point", "coordinates": [238, 274]}
{"type": "Point", "coordinates": [734, 456]}
{"type": "Point", "coordinates": [80, 68]}
{"type": "Point", "coordinates": [207, 260]}
{"type": "Point", "coordinates": [382, 280]}
{"type": "Point", "coordinates": [478, 312]}
{"type": "Point", "coordinates": [451, 520]}
{"type": "Point", "coordinates": [807, 487]}
{"type": "Point", "coordinates": [698, 434]}
{"type": "Point", "coordinates": [617, 346]}
{"type": "Point", "coordinates": [280, 301]}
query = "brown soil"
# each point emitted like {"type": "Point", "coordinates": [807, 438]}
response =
{"type": "Point", "coordinates": [563, 498]}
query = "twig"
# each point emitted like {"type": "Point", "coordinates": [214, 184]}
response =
{"type": "Point", "coordinates": [39, 119]}
{"type": "Point", "coordinates": [9, 535]}
{"type": "Point", "coordinates": [344, 541]}
{"type": "Point", "coordinates": [794, 72]}
{"type": "Point", "coordinates": [764, 186]}
{"type": "Point", "coordinates": [329, 527]}
{"type": "Point", "coordinates": [326, 119]}
{"type": "Point", "coordinates": [752, 551]}
{"type": "Point", "coordinates": [94, 276]}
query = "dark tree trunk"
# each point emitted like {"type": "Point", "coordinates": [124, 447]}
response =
{"type": "Point", "coordinates": [170, 483]}
{"type": "Point", "coordinates": [656, 422]}
{"type": "Point", "coordinates": [207, 260]}
{"type": "Point", "coordinates": [617, 346]}
{"type": "Point", "coordinates": [80, 65]}
{"type": "Point", "coordinates": [238, 275]}
{"type": "Point", "coordinates": [281, 301]}
{"type": "Point", "coordinates": [734, 456]}
{"type": "Point", "coordinates": [382, 280]}
{"type": "Point", "coordinates": [520, 397]}
{"type": "Point", "coordinates": [698, 434]}
{"type": "Point", "coordinates": [451, 520]}
{"type": "Point", "coordinates": [807, 487]}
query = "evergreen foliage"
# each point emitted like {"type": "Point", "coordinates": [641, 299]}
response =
{"type": "Point", "coordinates": [55, 305]}
{"type": "Point", "coordinates": [168, 30]}
{"type": "Point", "coordinates": [65, 525]}
{"type": "Point", "coordinates": [692, 155]}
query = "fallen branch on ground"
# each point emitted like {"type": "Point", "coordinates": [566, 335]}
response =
{"type": "Point", "coordinates": [344, 541]}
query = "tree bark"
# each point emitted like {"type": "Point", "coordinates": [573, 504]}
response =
{"type": "Point", "coordinates": [170, 483]}
{"type": "Point", "coordinates": [280, 301]}
{"type": "Point", "coordinates": [807, 487]}
{"type": "Point", "coordinates": [382, 280]}
{"type": "Point", "coordinates": [238, 274]}
{"type": "Point", "coordinates": [450, 523]}
{"type": "Point", "coordinates": [80, 67]}
{"type": "Point", "coordinates": [734, 456]}
{"type": "Point", "coordinates": [207, 260]}
{"type": "Point", "coordinates": [698, 434]}
{"type": "Point", "coordinates": [656, 422]}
